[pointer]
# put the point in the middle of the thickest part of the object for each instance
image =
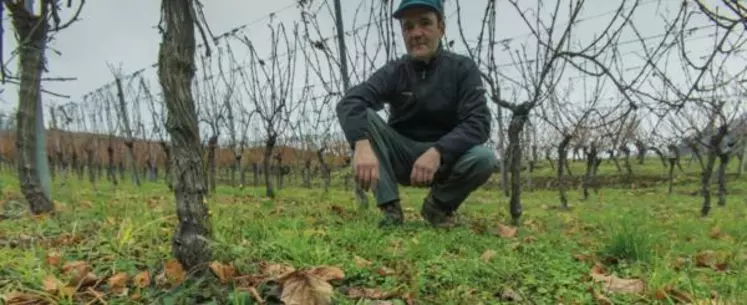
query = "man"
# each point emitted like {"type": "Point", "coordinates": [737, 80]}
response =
{"type": "Point", "coordinates": [438, 120]}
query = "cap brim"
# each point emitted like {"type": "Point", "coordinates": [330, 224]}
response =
{"type": "Point", "coordinates": [423, 4]}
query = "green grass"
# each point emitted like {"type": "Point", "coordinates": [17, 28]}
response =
{"type": "Point", "coordinates": [640, 233]}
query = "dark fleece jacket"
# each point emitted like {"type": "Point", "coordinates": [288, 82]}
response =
{"type": "Point", "coordinates": [442, 101]}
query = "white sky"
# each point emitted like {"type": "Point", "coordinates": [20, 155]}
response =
{"type": "Point", "coordinates": [123, 33]}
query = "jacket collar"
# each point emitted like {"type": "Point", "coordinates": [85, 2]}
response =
{"type": "Point", "coordinates": [421, 65]}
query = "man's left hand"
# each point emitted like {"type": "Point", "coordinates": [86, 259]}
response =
{"type": "Point", "coordinates": [425, 168]}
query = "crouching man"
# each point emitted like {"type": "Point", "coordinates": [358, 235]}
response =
{"type": "Point", "coordinates": [439, 120]}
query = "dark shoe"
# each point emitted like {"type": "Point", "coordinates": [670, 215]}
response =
{"type": "Point", "coordinates": [436, 216]}
{"type": "Point", "coordinates": [393, 215]}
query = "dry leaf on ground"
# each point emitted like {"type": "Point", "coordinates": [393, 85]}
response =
{"type": "Point", "coordinates": [23, 298]}
{"type": "Point", "coordinates": [612, 283]}
{"type": "Point", "coordinates": [327, 273]}
{"type": "Point", "coordinates": [51, 284]}
{"type": "Point", "coordinates": [54, 258]}
{"type": "Point", "coordinates": [378, 302]}
{"type": "Point", "coordinates": [301, 288]}
{"type": "Point", "coordinates": [173, 274]}
{"type": "Point", "coordinates": [678, 296]}
{"type": "Point", "coordinates": [68, 291]}
{"type": "Point", "coordinates": [710, 259]}
{"type": "Point", "coordinates": [679, 263]}
{"type": "Point", "coordinates": [225, 273]}
{"type": "Point", "coordinates": [80, 273]}
{"type": "Point", "coordinates": [309, 287]}
{"type": "Point", "coordinates": [369, 293]}
{"type": "Point", "coordinates": [506, 231]}
{"type": "Point", "coordinates": [118, 283]}
{"type": "Point", "coordinates": [142, 279]}
{"type": "Point", "coordinates": [705, 258]}
{"type": "Point", "coordinates": [487, 255]}
{"type": "Point", "coordinates": [276, 270]}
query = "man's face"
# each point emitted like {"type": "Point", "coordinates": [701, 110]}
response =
{"type": "Point", "coordinates": [422, 32]}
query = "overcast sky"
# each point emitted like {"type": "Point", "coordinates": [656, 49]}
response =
{"type": "Point", "coordinates": [123, 33]}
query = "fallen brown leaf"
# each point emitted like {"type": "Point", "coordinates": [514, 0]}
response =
{"type": "Point", "coordinates": [676, 295]}
{"type": "Point", "coordinates": [302, 288]}
{"type": "Point", "coordinates": [276, 270]}
{"type": "Point", "coordinates": [68, 291]}
{"type": "Point", "coordinates": [142, 279]}
{"type": "Point", "coordinates": [679, 263]}
{"type": "Point", "coordinates": [378, 302]}
{"type": "Point", "coordinates": [327, 273]}
{"type": "Point", "coordinates": [705, 258]}
{"type": "Point", "coordinates": [80, 272]}
{"type": "Point", "coordinates": [173, 274]}
{"type": "Point", "coordinates": [24, 298]}
{"type": "Point", "coordinates": [225, 273]}
{"type": "Point", "coordinates": [54, 258]}
{"type": "Point", "coordinates": [118, 283]}
{"type": "Point", "coordinates": [76, 268]}
{"type": "Point", "coordinates": [615, 284]}
{"type": "Point", "coordinates": [135, 296]}
{"type": "Point", "coordinates": [506, 231]}
{"type": "Point", "coordinates": [338, 210]}
{"type": "Point", "coordinates": [721, 266]}
{"type": "Point", "coordinates": [51, 284]}
{"type": "Point", "coordinates": [369, 293]}
{"type": "Point", "coordinates": [487, 255]}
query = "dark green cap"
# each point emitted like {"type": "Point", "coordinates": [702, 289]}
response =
{"type": "Point", "coordinates": [434, 5]}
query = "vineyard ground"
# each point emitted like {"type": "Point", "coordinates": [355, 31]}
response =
{"type": "Point", "coordinates": [635, 234]}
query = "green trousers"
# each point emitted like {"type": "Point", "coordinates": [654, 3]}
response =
{"type": "Point", "coordinates": [397, 154]}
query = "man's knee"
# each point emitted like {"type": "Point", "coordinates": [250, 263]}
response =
{"type": "Point", "coordinates": [377, 127]}
{"type": "Point", "coordinates": [479, 161]}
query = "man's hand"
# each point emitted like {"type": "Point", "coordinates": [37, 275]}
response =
{"type": "Point", "coordinates": [425, 167]}
{"type": "Point", "coordinates": [365, 165]}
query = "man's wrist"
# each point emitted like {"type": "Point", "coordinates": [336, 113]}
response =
{"type": "Point", "coordinates": [363, 142]}
{"type": "Point", "coordinates": [439, 151]}
{"type": "Point", "coordinates": [436, 150]}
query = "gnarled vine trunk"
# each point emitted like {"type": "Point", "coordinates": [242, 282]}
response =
{"type": "Point", "coordinates": [176, 70]}
{"type": "Point", "coordinates": [714, 151]}
{"type": "Point", "coordinates": [32, 32]}
{"type": "Point", "coordinates": [562, 160]}
{"type": "Point", "coordinates": [324, 167]}
{"type": "Point", "coordinates": [266, 164]}
{"type": "Point", "coordinates": [515, 126]}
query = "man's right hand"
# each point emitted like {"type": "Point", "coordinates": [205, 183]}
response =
{"type": "Point", "coordinates": [365, 165]}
